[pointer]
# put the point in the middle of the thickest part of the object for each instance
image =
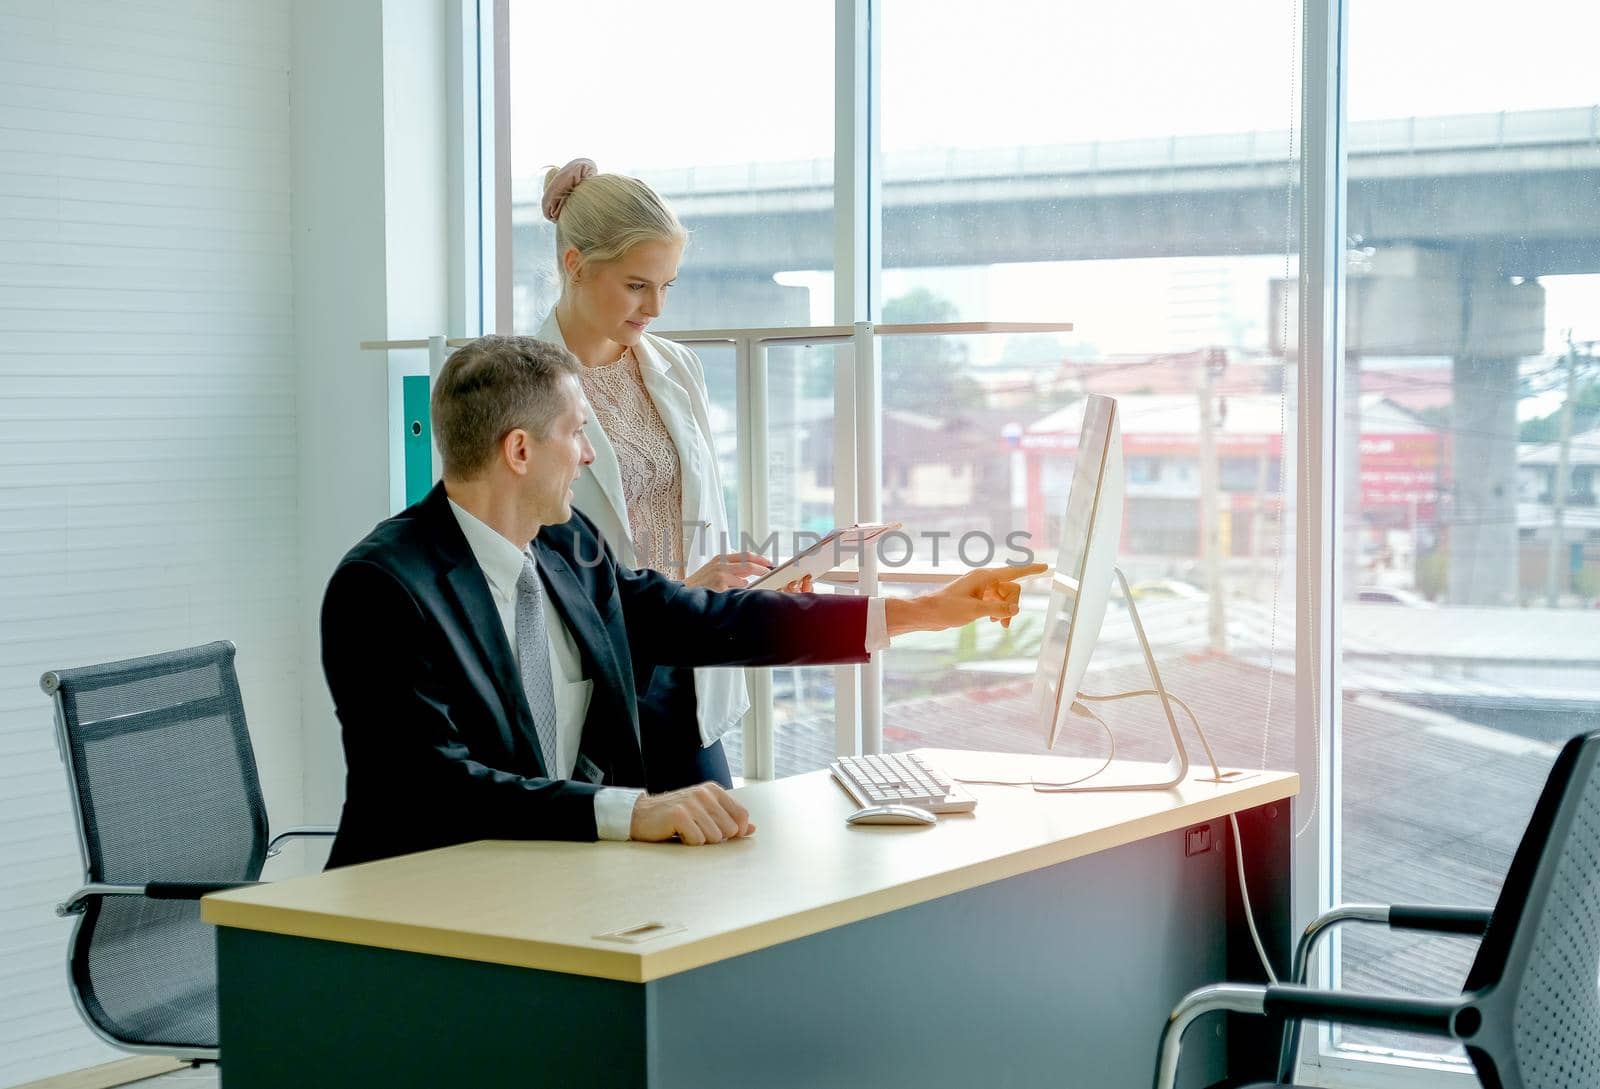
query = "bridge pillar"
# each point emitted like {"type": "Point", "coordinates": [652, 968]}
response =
{"type": "Point", "coordinates": [1482, 522]}
{"type": "Point", "coordinates": [1425, 302]}
{"type": "Point", "coordinates": [1408, 301]}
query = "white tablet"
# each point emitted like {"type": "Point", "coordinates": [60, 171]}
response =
{"type": "Point", "coordinates": [822, 557]}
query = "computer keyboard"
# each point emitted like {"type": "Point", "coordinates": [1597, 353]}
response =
{"type": "Point", "coordinates": [900, 778]}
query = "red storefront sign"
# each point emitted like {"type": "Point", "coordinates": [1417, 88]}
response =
{"type": "Point", "coordinates": [1402, 471]}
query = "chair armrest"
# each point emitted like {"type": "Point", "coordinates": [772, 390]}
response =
{"type": "Point", "coordinates": [302, 832]}
{"type": "Point", "coordinates": [155, 890]}
{"type": "Point", "coordinates": [1454, 1018]}
{"type": "Point", "coordinates": [1195, 1004]}
{"type": "Point", "coordinates": [191, 890]}
{"type": "Point", "coordinates": [1463, 921]}
{"type": "Point", "coordinates": [1399, 1013]}
{"type": "Point", "coordinates": [79, 900]}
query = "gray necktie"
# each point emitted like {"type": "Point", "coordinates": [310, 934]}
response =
{"type": "Point", "coordinates": [533, 655]}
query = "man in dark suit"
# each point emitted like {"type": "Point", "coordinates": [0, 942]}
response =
{"type": "Point", "coordinates": [482, 646]}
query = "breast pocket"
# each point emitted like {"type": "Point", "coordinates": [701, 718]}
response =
{"type": "Point", "coordinates": [572, 700]}
{"type": "Point", "coordinates": [572, 705]}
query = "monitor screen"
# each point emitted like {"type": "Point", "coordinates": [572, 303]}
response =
{"type": "Point", "coordinates": [1081, 586]}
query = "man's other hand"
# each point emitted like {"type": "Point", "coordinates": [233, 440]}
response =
{"type": "Point", "coordinates": [699, 814]}
{"type": "Point", "coordinates": [987, 592]}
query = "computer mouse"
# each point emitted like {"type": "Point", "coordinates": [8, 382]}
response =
{"type": "Point", "coordinates": [892, 814]}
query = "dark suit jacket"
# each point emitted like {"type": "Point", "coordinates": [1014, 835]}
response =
{"type": "Point", "coordinates": [439, 743]}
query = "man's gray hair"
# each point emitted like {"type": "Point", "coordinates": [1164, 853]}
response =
{"type": "Point", "coordinates": [490, 387]}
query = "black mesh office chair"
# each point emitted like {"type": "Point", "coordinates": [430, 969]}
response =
{"type": "Point", "coordinates": [169, 808]}
{"type": "Point", "coordinates": [1529, 1015]}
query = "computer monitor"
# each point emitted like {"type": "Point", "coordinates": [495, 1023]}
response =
{"type": "Point", "coordinates": [1080, 591]}
{"type": "Point", "coordinates": [1081, 587]}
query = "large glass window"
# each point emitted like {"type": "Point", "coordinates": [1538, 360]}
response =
{"type": "Point", "coordinates": [800, 483]}
{"type": "Point", "coordinates": [1135, 172]}
{"type": "Point", "coordinates": [1472, 544]}
{"type": "Point", "coordinates": [725, 108]}
{"type": "Point", "coordinates": [1041, 166]}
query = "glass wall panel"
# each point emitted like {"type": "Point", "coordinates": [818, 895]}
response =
{"type": "Point", "coordinates": [725, 108]}
{"type": "Point", "coordinates": [800, 481]}
{"type": "Point", "coordinates": [722, 391]}
{"type": "Point", "coordinates": [1472, 416]}
{"type": "Point", "coordinates": [1130, 171]}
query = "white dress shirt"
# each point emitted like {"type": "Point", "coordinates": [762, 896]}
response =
{"type": "Point", "coordinates": [502, 566]}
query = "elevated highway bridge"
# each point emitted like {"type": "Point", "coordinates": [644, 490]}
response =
{"type": "Point", "coordinates": [1524, 186]}
{"type": "Point", "coordinates": [1462, 214]}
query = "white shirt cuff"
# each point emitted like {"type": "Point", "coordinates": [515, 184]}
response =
{"type": "Point", "coordinates": [877, 625]}
{"type": "Point", "coordinates": [613, 811]}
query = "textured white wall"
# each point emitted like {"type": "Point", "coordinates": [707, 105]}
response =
{"type": "Point", "coordinates": [205, 206]}
{"type": "Point", "coordinates": [149, 494]}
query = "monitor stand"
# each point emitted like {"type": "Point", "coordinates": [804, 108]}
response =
{"type": "Point", "coordinates": [1177, 768]}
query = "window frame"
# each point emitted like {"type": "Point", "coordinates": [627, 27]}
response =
{"type": "Point", "coordinates": [1321, 467]}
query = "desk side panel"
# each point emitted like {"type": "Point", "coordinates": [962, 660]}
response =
{"type": "Point", "coordinates": [315, 1014]}
{"type": "Point", "coordinates": [1253, 1042]}
{"type": "Point", "coordinates": [1061, 977]}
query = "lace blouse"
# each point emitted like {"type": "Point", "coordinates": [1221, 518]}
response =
{"type": "Point", "coordinates": [647, 458]}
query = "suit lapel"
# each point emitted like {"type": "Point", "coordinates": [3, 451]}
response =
{"type": "Point", "coordinates": [577, 611]}
{"type": "Point", "coordinates": [467, 589]}
{"type": "Point", "coordinates": [608, 708]}
{"type": "Point", "coordinates": [604, 475]}
{"type": "Point", "coordinates": [607, 477]}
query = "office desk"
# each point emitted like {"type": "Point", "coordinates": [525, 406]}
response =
{"type": "Point", "coordinates": [1041, 940]}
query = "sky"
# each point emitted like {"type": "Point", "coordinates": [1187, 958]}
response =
{"type": "Point", "coordinates": [640, 85]}
{"type": "Point", "coordinates": [645, 86]}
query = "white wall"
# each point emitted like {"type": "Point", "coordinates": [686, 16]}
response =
{"type": "Point", "coordinates": [149, 433]}
{"type": "Point", "coordinates": [370, 214]}
{"type": "Point", "coordinates": [339, 293]}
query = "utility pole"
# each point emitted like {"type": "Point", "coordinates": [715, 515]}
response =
{"type": "Point", "coordinates": [1258, 529]}
{"type": "Point", "coordinates": [1210, 515]}
{"type": "Point", "coordinates": [1558, 487]}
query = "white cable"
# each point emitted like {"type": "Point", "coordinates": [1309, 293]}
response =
{"type": "Point", "coordinates": [1216, 772]}
{"type": "Point", "coordinates": [1050, 788]}
{"type": "Point", "coordinates": [1283, 397]}
{"type": "Point", "coordinates": [1194, 720]}
{"type": "Point", "coordinates": [1244, 895]}
{"type": "Point", "coordinates": [1047, 788]}
{"type": "Point", "coordinates": [1303, 575]}
{"type": "Point", "coordinates": [1238, 841]}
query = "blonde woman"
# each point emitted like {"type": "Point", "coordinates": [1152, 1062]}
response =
{"type": "Point", "coordinates": [653, 491]}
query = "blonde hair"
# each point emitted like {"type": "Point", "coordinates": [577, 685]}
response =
{"type": "Point", "coordinates": [606, 215]}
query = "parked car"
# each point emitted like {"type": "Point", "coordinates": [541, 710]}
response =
{"type": "Point", "coordinates": [1392, 595]}
{"type": "Point", "coordinates": [1166, 590]}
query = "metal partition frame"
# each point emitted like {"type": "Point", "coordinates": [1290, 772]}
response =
{"type": "Point", "coordinates": [754, 517]}
{"type": "Point", "coordinates": [858, 473]}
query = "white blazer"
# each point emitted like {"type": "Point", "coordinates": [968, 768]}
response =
{"type": "Point", "coordinates": [675, 380]}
